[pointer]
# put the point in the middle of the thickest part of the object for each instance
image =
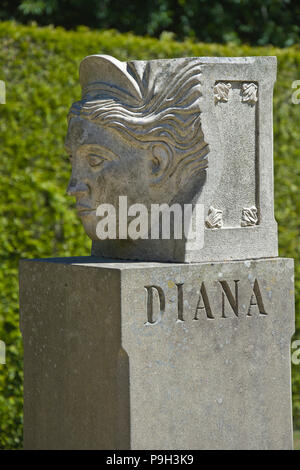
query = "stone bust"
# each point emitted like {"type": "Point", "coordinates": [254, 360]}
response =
{"type": "Point", "coordinates": [136, 132]}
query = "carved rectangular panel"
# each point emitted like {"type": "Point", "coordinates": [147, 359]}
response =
{"type": "Point", "coordinates": [236, 112]}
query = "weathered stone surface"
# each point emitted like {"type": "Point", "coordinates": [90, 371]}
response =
{"type": "Point", "coordinates": [190, 130]}
{"type": "Point", "coordinates": [121, 355]}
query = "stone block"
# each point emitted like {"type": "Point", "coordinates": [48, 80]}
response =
{"type": "Point", "coordinates": [177, 131]}
{"type": "Point", "coordinates": [133, 355]}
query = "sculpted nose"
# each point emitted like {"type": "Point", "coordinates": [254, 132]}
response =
{"type": "Point", "coordinates": [77, 188]}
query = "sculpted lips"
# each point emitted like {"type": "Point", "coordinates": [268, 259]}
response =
{"type": "Point", "coordinates": [83, 210]}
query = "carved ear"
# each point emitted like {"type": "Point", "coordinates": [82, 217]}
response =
{"type": "Point", "coordinates": [160, 161]}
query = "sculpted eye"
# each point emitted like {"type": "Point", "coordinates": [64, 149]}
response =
{"type": "Point", "coordinates": [95, 160]}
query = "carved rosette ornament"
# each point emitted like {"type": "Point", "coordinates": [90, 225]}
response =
{"type": "Point", "coordinates": [249, 216]}
{"type": "Point", "coordinates": [221, 92]}
{"type": "Point", "coordinates": [249, 93]}
{"type": "Point", "coordinates": [214, 218]}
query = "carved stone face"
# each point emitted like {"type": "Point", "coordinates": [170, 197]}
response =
{"type": "Point", "coordinates": [106, 166]}
{"type": "Point", "coordinates": [135, 135]}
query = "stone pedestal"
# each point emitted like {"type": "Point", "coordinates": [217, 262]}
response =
{"type": "Point", "coordinates": [135, 355]}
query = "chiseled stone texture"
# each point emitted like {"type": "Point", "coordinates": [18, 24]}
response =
{"type": "Point", "coordinates": [187, 131]}
{"type": "Point", "coordinates": [113, 363]}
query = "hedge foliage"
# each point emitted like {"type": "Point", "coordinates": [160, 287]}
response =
{"type": "Point", "coordinates": [40, 68]}
{"type": "Point", "coordinates": [255, 22]}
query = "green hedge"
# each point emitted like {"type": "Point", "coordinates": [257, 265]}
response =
{"type": "Point", "coordinates": [40, 68]}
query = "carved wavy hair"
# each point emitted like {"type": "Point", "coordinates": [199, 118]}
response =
{"type": "Point", "coordinates": [167, 115]}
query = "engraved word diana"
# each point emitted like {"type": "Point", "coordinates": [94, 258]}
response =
{"type": "Point", "coordinates": [219, 299]}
